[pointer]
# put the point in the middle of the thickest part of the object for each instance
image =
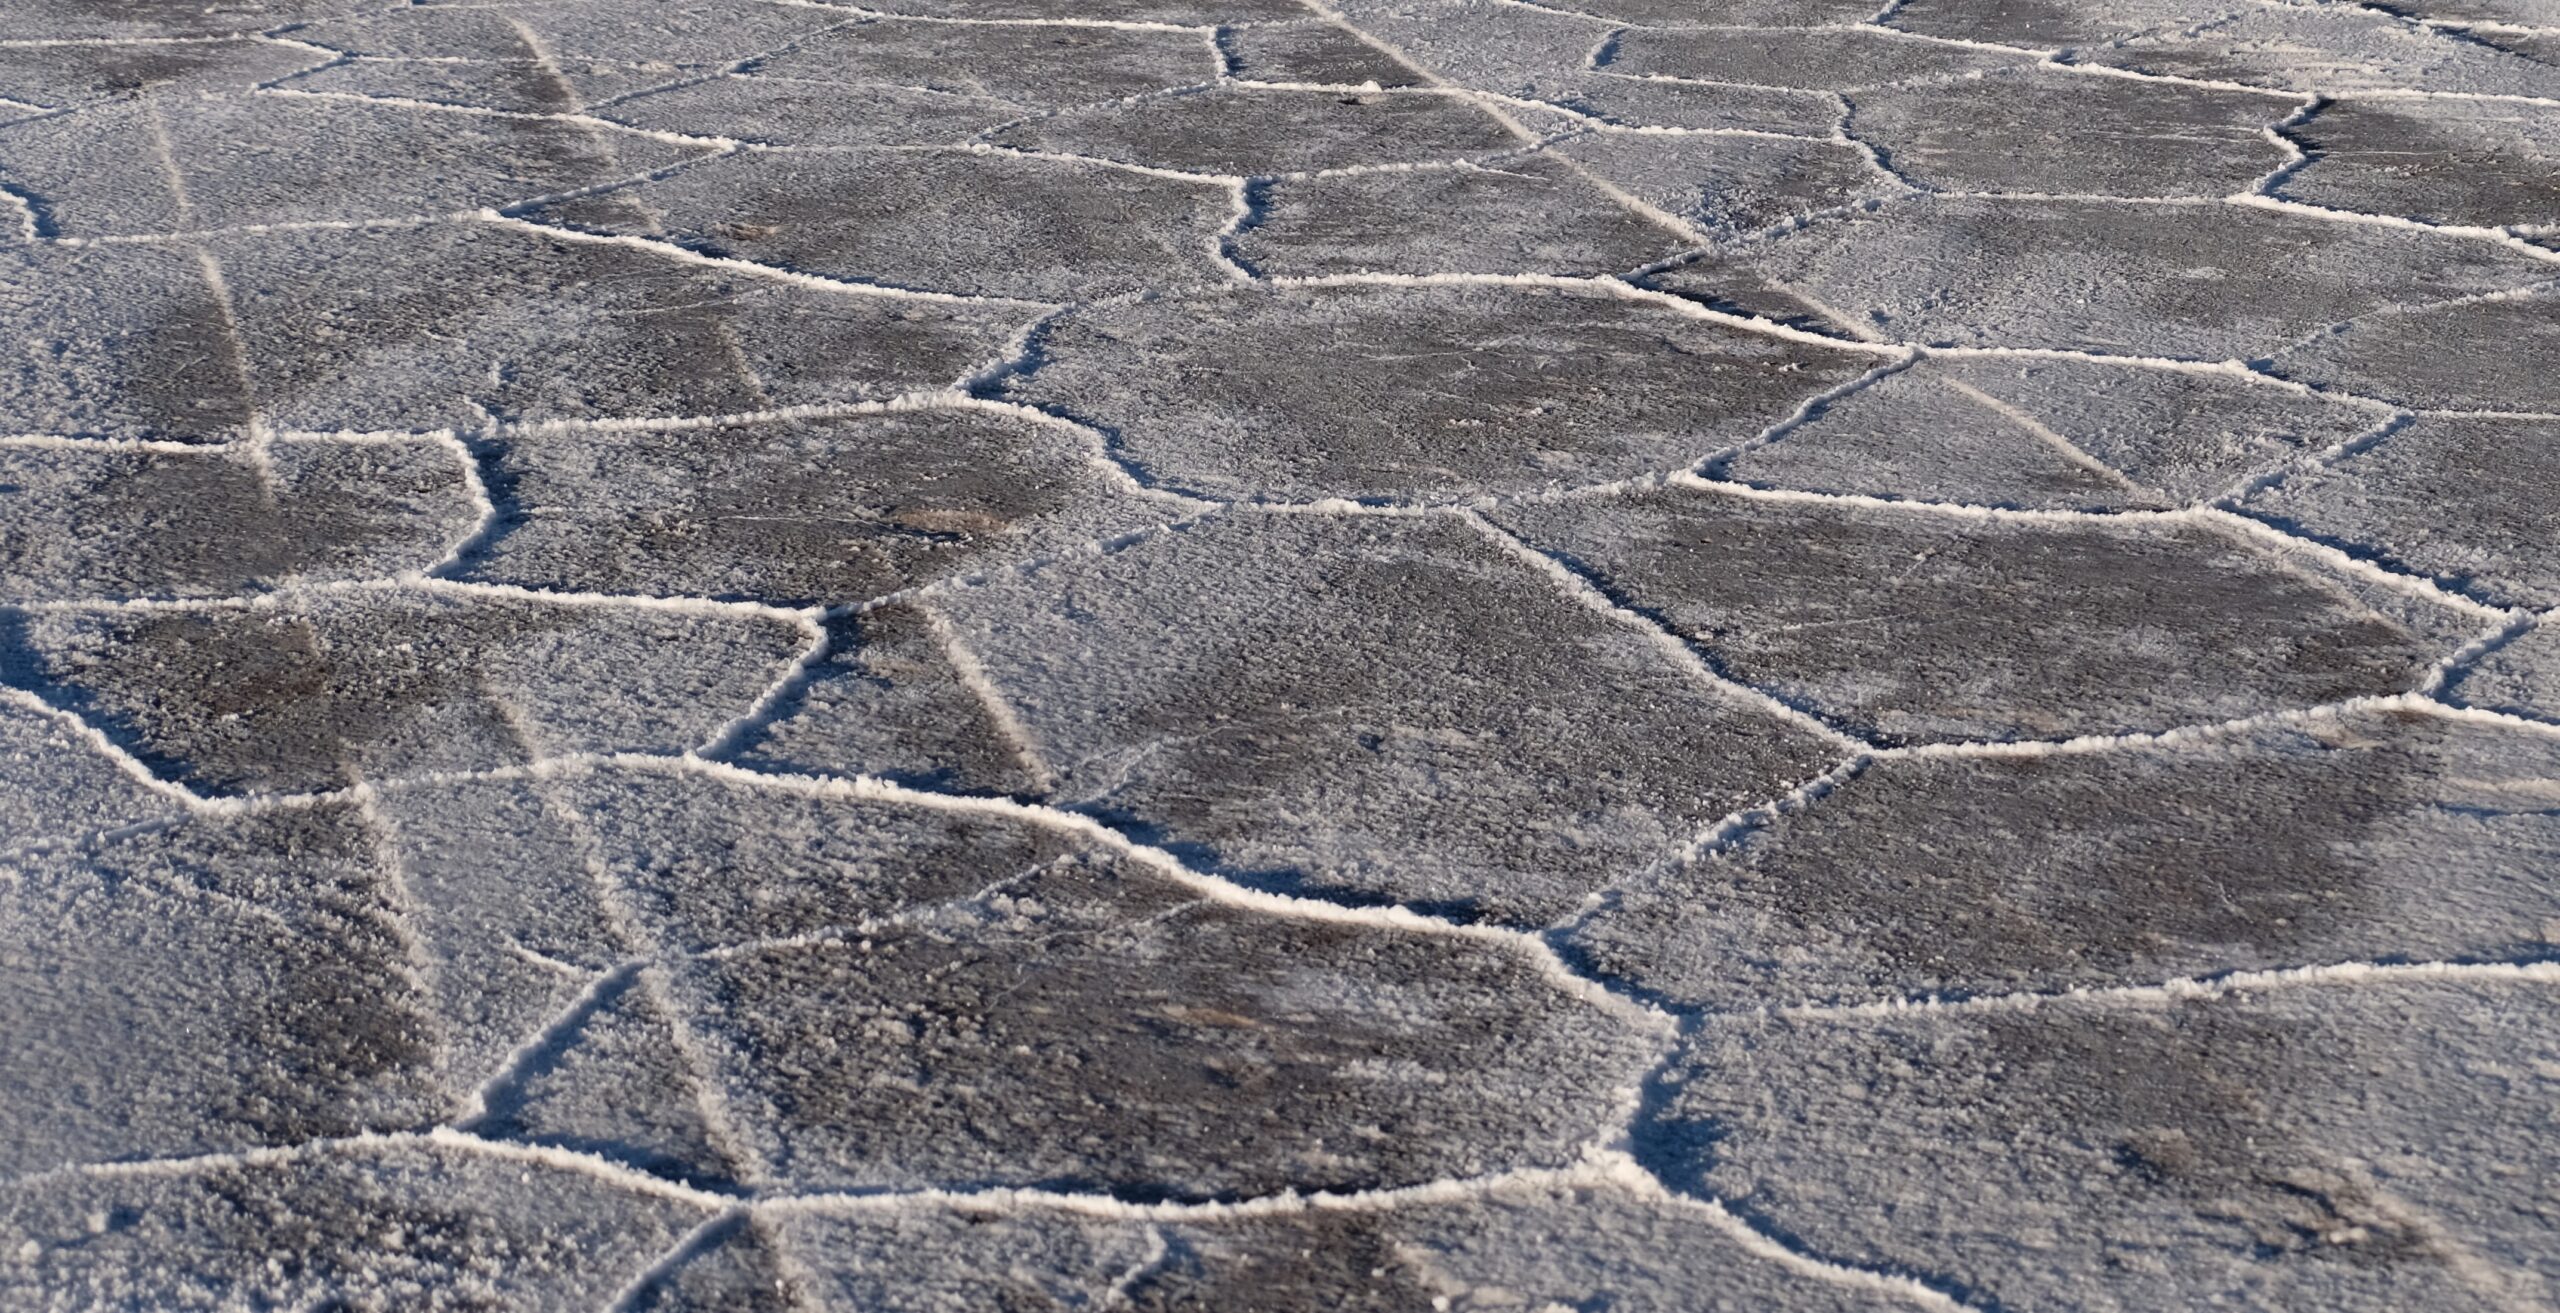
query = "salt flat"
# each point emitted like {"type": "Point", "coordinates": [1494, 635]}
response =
{"type": "Point", "coordinates": [1268, 655]}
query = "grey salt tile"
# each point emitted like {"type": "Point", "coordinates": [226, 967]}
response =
{"type": "Point", "coordinates": [2328, 51]}
{"type": "Point", "coordinates": [431, 1227]}
{"type": "Point", "coordinates": [2041, 129]}
{"type": "Point", "coordinates": [1658, 102]}
{"type": "Point", "coordinates": [889, 82]}
{"type": "Point", "coordinates": [887, 701]}
{"type": "Point", "coordinates": [320, 690]}
{"type": "Point", "coordinates": [455, 324]}
{"type": "Point", "coordinates": [2481, 162]}
{"type": "Point", "coordinates": [1532, 215]}
{"type": "Point", "coordinates": [1311, 52]}
{"type": "Point", "coordinates": [677, 35]}
{"type": "Point", "coordinates": [2192, 280]}
{"type": "Point", "coordinates": [537, 902]}
{"type": "Point", "coordinates": [147, 20]}
{"type": "Point", "coordinates": [739, 1268]}
{"type": "Point", "coordinates": [1417, 392]}
{"type": "Point", "coordinates": [1833, 60]}
{"type": "Point", "coordinates": [2521, 677]}
{"type": "Point", "coordinates": [2541, 46]}
{"type": "Point", "coordinates": [117, 341]}
{"type": "Point", "coordinates": [2050, 433]}
{"type": "Point", "coordinates": [508, 922]}
{"type": "Point", "coordinates": [1922, 435]}
{"type": "Point", "coordinates": [2485, 354]}
{"type": "Point", "coordinates": [790, 112]}
{"type": "Point", "coordinates": [2373, 835]}
{"type": "Point", "coordinates": [958, 220]}
{"type": "Point", "coordinates": [1622, 1247]}
{"type": "Point", "coordinates": [240, 161]}
{"type": "Point", "coordinates": [534, 901]}
{"type": "Point", "coordinates": [817, 511]}
{"type": "Point", "coordinates": [2460, 499]}
{"type": "Point", "coordinates": [1919, 625]}
{"type": "Point", "coordinates": [105, 522]}
{"type": "Point", "coordinates": [897, 995]}
{"type": "Point", "coordinates": [1251, 130]}
{"type": "Point", "coordinates": [63, 76]}
{"type": "Point", "coordinates": [1034, 65]}
{"type": "Point", "coordinates": [57, 786]}
{"type": "Point", "coordinates": [1370, 709]}
{"type": "Point", "coordinates": [1740, 290]}
{"type": "Point", "coordinates": [519, 86]}
{"type": "Point", "coordinates": [2525, 13]}
{"type": "Point", "coordinates": [2050, 24]}
{"type": "Point", "coordinates": [1731, 185]}
{"type": "Point", "coordinates": [1097, 1027]}
{"type": "Point", "coordinates": [1489, 45]}
{"type": "Point", "coordinates": [1190, 13]}
{"type": "Point", "coordinates": [720, 866]}
{"type": "Point", "coordinates": [2189, 434]}
{"type": "Point", "coordinates": [613, 1083]}
{"type": "Point", "coordinates": [1925, 435]}
{"type": "Point", "coordinates": [209, 985]}
{"type": "Point", "coordinates": [1725, 13]}
{"type": "Point", "coordinates": [2372, 1144]}
{"type": "Point", "coordinates": [551, 57]}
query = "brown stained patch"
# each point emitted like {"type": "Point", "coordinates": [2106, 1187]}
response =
{"type": "Point", "coordinates": [2326, 1138]}
{"type": "Point", "coordinates": [948, 522]}
{"type": "Point", "coordinates": [238, 699]}
{"type": "Point", "coordinates": [329, 690]}
{"type": "Point", "coordinates": [1356, 1262]}
{"type": "Point", "coordinates": [2203, 1133]}
{"type": "Point", "coordinates": [2384, 836]}
{"type": "Point", "coordinates": [823, 511]}
{"type": "Point", "coordinates": [1998, 874]}
{"type": "Point", "coordinates": [103, 523]}
{"type": "Point", "coordinates": [1041, 1046]}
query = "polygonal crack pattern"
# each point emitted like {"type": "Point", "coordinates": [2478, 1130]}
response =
{"type": "Point", "coordinates": [1441, 392]}
{"type": "Point", "coordinates": [2382, 833]}
{"type": "Point", "coordinates": [1279, 655]}
{"type": "Point", "coordinates": [321, 689]}
{"type": "Point", "coordinates": [1270, 696]}
{"type": "Point", "coordinates": [1527, 1246]}
{"type": "Point", "coordinates": [2332, 1142]}
{"type": "Point", "coordinates": [1912, 626]}
{"type": "Point", "coordinates": [801, 512]}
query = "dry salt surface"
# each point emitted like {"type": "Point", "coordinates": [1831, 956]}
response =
{"type": "Point", "coordinates": [1562, 656]}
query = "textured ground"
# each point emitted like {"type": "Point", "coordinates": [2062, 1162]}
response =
{"type": "Point", "coordinates": [1596, 655]}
